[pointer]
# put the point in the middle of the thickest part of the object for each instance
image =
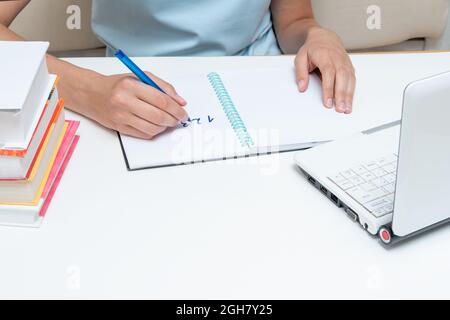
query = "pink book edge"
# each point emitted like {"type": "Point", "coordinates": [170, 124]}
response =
{"type": "Point", "coordinates": [58, 178]}
{"type": "Point", "coordinates": [67, 141]}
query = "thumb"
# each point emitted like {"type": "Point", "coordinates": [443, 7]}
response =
{"type": "Point", "coordinates": [168, 89]}
{"type": "Point", "coordinates": [302, 70]}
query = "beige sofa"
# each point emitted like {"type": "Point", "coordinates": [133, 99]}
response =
{"type": "Point", "coordinates": [47, 20]}
{"type": "Point", "coordinates": [364, 25]}
{"type": "Point", "coordinates": [387, 24]}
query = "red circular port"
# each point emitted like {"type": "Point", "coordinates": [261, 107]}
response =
{"type": "Point", "coordinates": [385, 235]}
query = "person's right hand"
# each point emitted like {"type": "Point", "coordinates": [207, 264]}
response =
{"type": "Point", "coordinates": [125, 104]}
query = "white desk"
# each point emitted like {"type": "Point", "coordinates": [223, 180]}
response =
{"type": "Point", "coordinates": [252, 229]}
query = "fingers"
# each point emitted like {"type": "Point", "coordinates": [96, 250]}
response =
{"type": "Point", "coordinates": [131, 115]}
{"type": "Point", "coordinates": [325, 52]}
{"type": "Point", "coordinates": [126, 121]}
{"type": "Point", "coordinates": [160, 100]}
{"type": "Point", "coordinates": [328, 85]}
{"type": "Point", "coordinates": [136, 109]}
{"type": "Point", "coordinates": [168, 88]}
{"type": "Point", "coordinates": [344, 89]}
{"type": "Point", "coordinates": [340, 92]}
{"type": "Point", "coordinates": [350, 93]}
{"type": "Point", "coordinates": [149, 130]}
{"type": "Point", "coordinates": [152, 114]}
{"type": "Point", "coordinates": [133, 132]}
{"type": "Point", "coordinates": [338, 82]}
{"type": "Point", "coordinates": [302, 71]}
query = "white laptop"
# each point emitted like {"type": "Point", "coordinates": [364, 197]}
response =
{"type": "Point", "coordinates": [395, 180]}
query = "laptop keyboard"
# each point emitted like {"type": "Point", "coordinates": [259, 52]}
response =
{"type": "Point", "coordinates": [372, 184]}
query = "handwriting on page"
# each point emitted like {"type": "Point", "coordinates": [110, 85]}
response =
{"type": "Point", "coordinates": [197, 121]}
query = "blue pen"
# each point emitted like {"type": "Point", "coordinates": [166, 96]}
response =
{"type": "Point", "coordinates": [136, 70]}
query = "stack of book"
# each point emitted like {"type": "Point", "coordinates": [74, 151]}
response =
{"type": "Point", "coordinates": [36, 142]}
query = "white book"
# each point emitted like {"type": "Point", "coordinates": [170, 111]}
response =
{"type": "Point", "coordinates": [14, 167]}
{"type": "Point", "coordinates": [237, 113]}
{"type": "Point", "coordinates": [21, 216]}
{"type": "Point", "coordinates": [24, 79]}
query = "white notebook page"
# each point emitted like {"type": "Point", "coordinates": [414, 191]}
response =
{"type": "Point", "coordinates": [269, 99]}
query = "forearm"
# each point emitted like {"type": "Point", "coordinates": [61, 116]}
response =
{"type": "Point", "coordinates": [293, 36]}
{"type": "Point", "coordinates": [7, 34]}
{"type": "Point", "coordinates": [72, 80]}
{"type": "Point", "coordinates": [73, 84]}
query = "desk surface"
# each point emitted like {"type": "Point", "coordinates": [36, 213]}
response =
{"type": "Point", "coordinates": [249, 228]}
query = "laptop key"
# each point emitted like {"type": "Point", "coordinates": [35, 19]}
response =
{"type": "Point", "coordinates": [356, 180]}
{"type": "Point", "coordinates": [391, 178]}
{"type": "Point", "coordinates": [338, 179]}
{"type": "Point", "coordinates": [368, 186]}
{"type": "Point", "coordinates": [381, 212]}
{"type": "Point", "coordinates": [389, 187]}
{"type": "Point", "coordinates": [376, 204]}
{"type": "Point", "coordinates": [391, 167]}
{"type": "Point", "coordinates": [368, 176]}
{"type": "Point", "coordinates": [389, 207]}
{"type": "Point", "coordinates": [382, 162]}
{"type": "Point", "coordinates": [363, 197]}
{"type": "Point", "coordinates": [345, 185]}
{"type": "Point", "coordinates": [380, 182]}
{"type": "Point", "coordinates": [348, 174]}
{"type": "Point", "coordinates": [379, 172]}
{"type": "Point", "coordinates": [371, 166]}
{"type": "Point", "coordinates": [360, 170]}
{"type": "Point", "coordinates": [391, 198]}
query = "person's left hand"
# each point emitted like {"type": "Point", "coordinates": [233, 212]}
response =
{"type": "Point", "coordinates": [324, 50]}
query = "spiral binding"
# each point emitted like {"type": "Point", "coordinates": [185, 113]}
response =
{"type": "Point", "coordinates": [230, 110]}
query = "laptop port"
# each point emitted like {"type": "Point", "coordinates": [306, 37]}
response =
{"type": "Point", "coordinates": [352, 214]}
{"type": "Point", "coordinates": [324, 190]}
{"type": "Point", "coordinates": [334, 199]}
{"type": "Point", "coordinates": [312, 180]}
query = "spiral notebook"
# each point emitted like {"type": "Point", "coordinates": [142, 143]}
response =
{"type": "Point", "coordinates": [238, 113]}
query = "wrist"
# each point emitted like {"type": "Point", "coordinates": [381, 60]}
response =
{"type": "Point", "coordinates": [76, 88]}
{"type": "Point", "coordinates": [319, 35]}
{"type": "Point", "coordinates": [315, 31]}
{"type": "Point", "coordinates": [84, 80]}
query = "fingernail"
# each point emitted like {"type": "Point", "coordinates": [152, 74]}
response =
{"type": "Point", "coordinates": [301, 85]}
{"type": "Point", "coordinates": [329, 103]}
{"type": "Point", "coordinates": [341, 106]}
{"type": "Point", "coordinates": [349, 106]}
{"type": "Point", "coordinates": [182, 100]}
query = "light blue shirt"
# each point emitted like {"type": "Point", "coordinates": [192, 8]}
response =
{"type": "Point", "coordinates": [186, 27]}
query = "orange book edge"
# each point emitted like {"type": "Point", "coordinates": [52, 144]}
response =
{"type": "Point", "coordinates": [55, 117]}
{"type": "Point", "coordinates": [47, 132]}
{"type": "Point", "coordinates": [46, 175]}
